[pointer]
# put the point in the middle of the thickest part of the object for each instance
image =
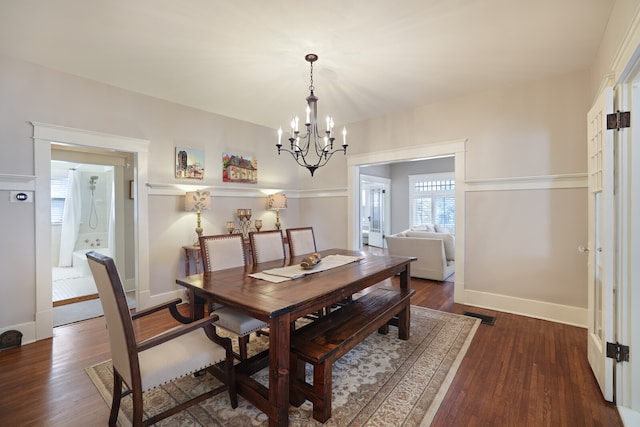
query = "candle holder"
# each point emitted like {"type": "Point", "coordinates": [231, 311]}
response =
{"type": "Point", "coordinates": [244, 224]}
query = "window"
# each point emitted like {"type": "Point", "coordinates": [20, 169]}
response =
{"type": "Point", "coordinates": [433, 200]}
{"type": "Point", "coordinates": [58, 195]}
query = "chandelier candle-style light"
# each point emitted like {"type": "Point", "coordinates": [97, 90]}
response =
{"type": "Point", "coordinates": [312, 150]}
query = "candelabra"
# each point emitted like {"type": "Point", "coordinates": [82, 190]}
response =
{"type": "Point", "coordinates": [244, 223]}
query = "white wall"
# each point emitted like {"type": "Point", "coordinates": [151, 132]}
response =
{"type": "Point", "coordinates": [533, 130]}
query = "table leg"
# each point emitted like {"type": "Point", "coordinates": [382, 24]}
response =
{"type": "Point", "coordinates": [197, 306]}
{"type": "Point", "coordinates": [405, 277]}
{"type": "Point", "coordinates": [279, 342]}
{"type": "Point", "coordinates": [187, 264]}
{"type": "Point", "coordinates": [404, 317]}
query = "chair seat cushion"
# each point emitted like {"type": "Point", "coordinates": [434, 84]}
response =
{"type": "Point", "coordinates": [178, 357]}
{"type": "Point", "coordinates": [238, 323]}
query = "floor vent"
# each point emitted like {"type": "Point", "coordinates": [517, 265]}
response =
{"type": "Point", "coordinates": [10, 339]}
{"type": "Point", "coordinates": [486, 320]}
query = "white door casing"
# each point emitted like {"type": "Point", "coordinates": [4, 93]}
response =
{"type": "Point", "coordinates": [601, 241]}
{"type": "Point", "coordinates": [627, 165]}
{"type": "Point", "coordinates": [43, 135]}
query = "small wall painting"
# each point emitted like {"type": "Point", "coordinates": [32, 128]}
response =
{"type": "Point", "coordinates": [189, 163]}
{"type": "Point", "coordinates": [237, 168]}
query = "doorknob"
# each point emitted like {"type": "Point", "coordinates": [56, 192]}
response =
{"type": "Point", "coordinates": [582, 248]}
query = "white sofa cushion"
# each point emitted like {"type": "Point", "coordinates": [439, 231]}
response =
{"type": "Point", "coordinates": [447, 239]}
{"type": "Point", "coordinates": [439, 228]}
{"type": "Point", "coordinates": [423, 227]}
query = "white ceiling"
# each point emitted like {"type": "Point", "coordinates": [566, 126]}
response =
{"type": "Point", "coordinates": [245, 58]}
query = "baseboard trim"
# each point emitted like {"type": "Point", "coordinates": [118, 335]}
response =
{"type": "Point", "coordinates": [629, 416]}
{"type": "Point", "coordinates": [574, 316]}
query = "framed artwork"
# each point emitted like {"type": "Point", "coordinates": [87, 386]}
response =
{"type": "Point", "coordinates": [237, 168]}
{"type": "Point", "coordinates": [189, 163]}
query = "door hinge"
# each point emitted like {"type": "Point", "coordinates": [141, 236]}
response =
{"type": "Point", "coordinates": [618, 351]}
{"type": "Point", "coordinates": [619, 120]}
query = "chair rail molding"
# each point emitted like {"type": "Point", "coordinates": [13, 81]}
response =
{"type": "Point", "coordinates": [10, 182]}
{"type": "Point", "coordinates": [542, 182]}
{"type": "Point", "coordinates": [168, 189]}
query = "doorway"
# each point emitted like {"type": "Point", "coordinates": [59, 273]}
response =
{"type": "Point", "coordinates": [455, 148]}
{"type": "Point", "coordinates": [46, 137]}
{"type": "Point", "coordinates": [86, 215]}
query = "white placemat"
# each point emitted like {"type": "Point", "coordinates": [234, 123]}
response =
{"type": "Point", "coordinates": [282, 274]}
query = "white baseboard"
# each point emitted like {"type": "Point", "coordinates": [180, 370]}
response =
{"type": "Point", "coordinates": [29, 329]}
{"type": "Point", "coordinates": [574, 316]}
{"type": "Point", "coordinates": [629, 417]}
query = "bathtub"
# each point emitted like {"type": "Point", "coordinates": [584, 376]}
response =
{"type": "Point", "coordinates": [87, 242]}
{"type": "Point", "coordinates": [80, 262]}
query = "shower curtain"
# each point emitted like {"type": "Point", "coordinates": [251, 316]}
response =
{"type": "Point", "coordinates": [70, 220]}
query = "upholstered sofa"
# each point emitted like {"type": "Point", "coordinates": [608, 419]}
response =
{"type": "Point", "coordinates": [435, 252]}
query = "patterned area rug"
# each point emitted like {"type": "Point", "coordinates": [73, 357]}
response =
{"type": "Point", "coordinates": [383, 381]}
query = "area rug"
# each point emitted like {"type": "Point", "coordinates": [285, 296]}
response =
{"type": "Point", "coordinates": [384, 381]}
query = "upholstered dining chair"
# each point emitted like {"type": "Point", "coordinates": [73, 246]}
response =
{"type": "Point", "coordinates": [218, 253]}
{"type": "Point", "coordinates": [266, 245]}
{"type": "Point", "coordinates": [301, 241]}
{"type": "Point", "coordinates": [144, 365]}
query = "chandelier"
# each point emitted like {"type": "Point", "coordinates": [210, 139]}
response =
{"type": "Point", "coordinates": [312, 150]}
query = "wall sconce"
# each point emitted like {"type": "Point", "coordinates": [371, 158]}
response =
{"type": "Point", "coordinates": [275, 202]}
{"type": "Point", "coordinates": [197, 201]}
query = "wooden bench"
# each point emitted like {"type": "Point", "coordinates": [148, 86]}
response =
{"type": "Point", "coordinates": [325, 340]}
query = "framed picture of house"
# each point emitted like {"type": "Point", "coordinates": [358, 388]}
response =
{"type": "Point", "coordinates": [239, 168]}
{"type": "Point", "coordinates": [189, 163]}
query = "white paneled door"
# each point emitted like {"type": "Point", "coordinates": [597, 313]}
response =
{"type": "Point", "coordinates": [600, 249]}
{"type": "Point", "coordinates": [376, 215]}
{"type": "Point", "coordinates": [376, 208]}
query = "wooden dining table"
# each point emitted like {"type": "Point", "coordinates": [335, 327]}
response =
{"type": "Point", "coordinates": [279, 305]}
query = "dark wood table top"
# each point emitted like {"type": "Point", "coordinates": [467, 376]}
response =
{"type": "Point", "coordinates": [265, 300]}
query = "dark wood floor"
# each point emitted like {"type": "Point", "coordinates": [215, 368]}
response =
{"type": "Point", "coordinates": [519, 372]}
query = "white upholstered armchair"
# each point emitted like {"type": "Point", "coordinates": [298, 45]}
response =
{"type": "Point", "coordinates": [142, 366]}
